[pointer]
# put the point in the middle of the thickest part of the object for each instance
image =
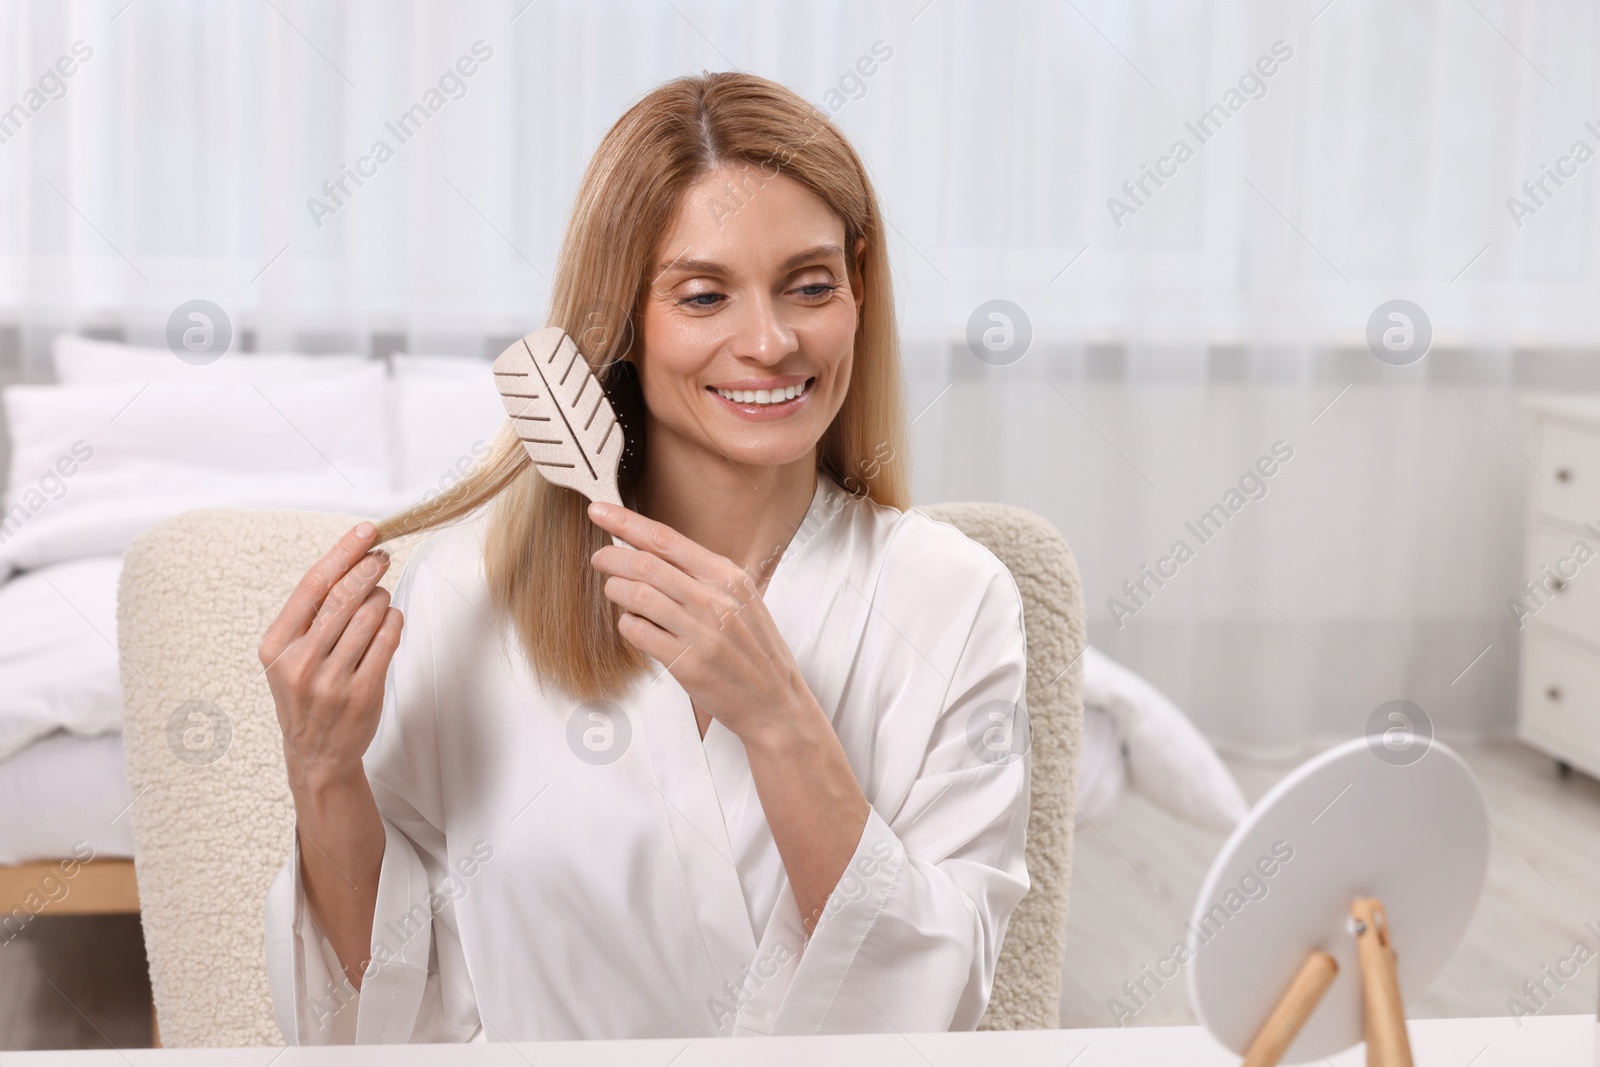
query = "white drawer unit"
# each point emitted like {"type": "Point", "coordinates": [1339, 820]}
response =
{"type": "Point", "coordinates": [1560, 700]}
{"type": "Point", "coordinates": [1569, 586]}
{"type": "Point", "coordinates": [1559, 694]}
{"type": "Point", "coordinates": [1569, 456]}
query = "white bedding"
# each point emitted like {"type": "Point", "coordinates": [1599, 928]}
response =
{"type": "Point", "coordinates": [1167, 758]}
{"type": "Point", "coordinates": [58, 659]}
{"type": "Point", "coordinates": [63, 790]}
{"type": "Point", "coordinates": [1102, 769]}
{"type": "Point", "coordinates": [62, 779]}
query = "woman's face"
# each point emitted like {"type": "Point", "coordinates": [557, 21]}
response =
{"type": "Point", "coordinates": [750, 301]}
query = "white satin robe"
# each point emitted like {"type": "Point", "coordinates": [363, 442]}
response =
{"type": "Point", "coordinates": [529, 892]}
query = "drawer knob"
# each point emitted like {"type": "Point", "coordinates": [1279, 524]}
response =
{"type": "Point", "coordinates": [1553, 693]}
{"type": "Point", "coordinates": [1563, 474]}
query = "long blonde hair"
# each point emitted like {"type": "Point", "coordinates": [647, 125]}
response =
{"type": "Point", "coordinates": [540, 538]}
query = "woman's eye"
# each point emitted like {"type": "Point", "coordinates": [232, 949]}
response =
{"type": "Point", "coordinates": [710, 300]}
{"type": "Point", "coordinates": [702, 300]}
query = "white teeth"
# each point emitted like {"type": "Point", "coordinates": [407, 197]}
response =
{"type": "Point", "coordinates": [763, 396]}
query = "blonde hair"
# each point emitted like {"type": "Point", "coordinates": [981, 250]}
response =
{"type": "Point", "coordinates": [540, 538]}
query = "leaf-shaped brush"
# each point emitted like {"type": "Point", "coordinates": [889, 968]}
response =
{"type": "Point", "coordinates": [561, 413]}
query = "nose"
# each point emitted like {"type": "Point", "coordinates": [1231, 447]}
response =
{"type": "Point", "coordinates": [761, 334]}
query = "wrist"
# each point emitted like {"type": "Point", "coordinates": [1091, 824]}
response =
{"type": "Point", "coordinates": [327, 788]}
{"type": "Point", "coordinates": [789, 732]}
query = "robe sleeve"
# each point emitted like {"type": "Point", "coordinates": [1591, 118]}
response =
{"type": "Point", "coordinates": [417, 987]}
{"type": "Point", "coordinates": [909, 938]}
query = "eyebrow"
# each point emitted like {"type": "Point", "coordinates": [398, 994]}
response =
{"type": "Point", "coordinates": [706, 266]}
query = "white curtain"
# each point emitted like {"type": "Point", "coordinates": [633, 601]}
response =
{"type": "Point", "coordinates": [1175, 337]}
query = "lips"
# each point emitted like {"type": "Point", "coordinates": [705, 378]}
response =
{"type": "Point", "coordinates": [756, 408]}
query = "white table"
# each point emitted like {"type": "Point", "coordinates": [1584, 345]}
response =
{"type": "Point", "coordinates": [1557, 1041]}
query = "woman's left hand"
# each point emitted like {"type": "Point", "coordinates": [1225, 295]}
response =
{"type": "Point", "coordinates": [702, 617]}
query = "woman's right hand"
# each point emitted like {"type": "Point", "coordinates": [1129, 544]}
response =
{"type": "Point", "coordinates": [326, 657]}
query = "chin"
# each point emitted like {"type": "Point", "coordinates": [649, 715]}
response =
{"type": "Point", "coordinates": [741, 448]}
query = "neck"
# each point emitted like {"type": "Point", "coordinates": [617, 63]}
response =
{"type": "Point", "coordinates": [746, 513]}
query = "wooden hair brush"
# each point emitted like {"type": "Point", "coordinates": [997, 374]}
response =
{"type": "Point", "coordinates": [561, 413]}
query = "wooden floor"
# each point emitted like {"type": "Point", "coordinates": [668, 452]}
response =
{"type": "Point", "coordinates": [1134, 883]}
{"type": "Point", "coordinates": [81, 982]}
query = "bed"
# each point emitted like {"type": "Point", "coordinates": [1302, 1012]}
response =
{"type": "Point", "coordinates": [126, 437]}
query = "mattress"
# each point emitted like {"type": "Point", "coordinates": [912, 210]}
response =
{"type": "Point", "coordinates": [61, 790]}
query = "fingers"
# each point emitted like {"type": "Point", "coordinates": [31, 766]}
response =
{"type": "Point", "coordinates": [348, 651]}
{"type": "Point", "coordinates": [671, 588]}
{"type": "Point", "coordinates": [649, 638]}
{"type": "Point", "coordinates": [374, 663]}
{"type": "Point", "coordinates": [650, 603]}
{"type": "Point", "coordinates": [642, 566]}
{"type": "Point", "coordinates": [313, 588]}
{"type": "Point", "coordinates": [725, 585]}
{"type": "Point", "coordinates": [654, 588]}
{"type": "Point", "coordinates": [659, 538]}
{"type": "Point", "coordinates": [342, 602]}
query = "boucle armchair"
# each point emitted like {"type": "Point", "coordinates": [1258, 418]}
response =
{"type": "Point", "coordinates": [212, 814]}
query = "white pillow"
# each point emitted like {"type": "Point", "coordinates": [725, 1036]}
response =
{"type": "Point", "coordinates": [446, 411]}
{"type": "Point", "coordinates": [84, 361]}
{"type": "Point", "coordinates": [1169, 759]}
{"type": "Point", "coordinates": [78, 446]}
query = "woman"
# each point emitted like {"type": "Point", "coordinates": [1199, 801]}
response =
{"type": "Point", "coordinates": [740, 778]}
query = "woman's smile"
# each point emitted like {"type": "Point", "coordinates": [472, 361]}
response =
{"type": "Point", "coordinates": [775, 398]}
